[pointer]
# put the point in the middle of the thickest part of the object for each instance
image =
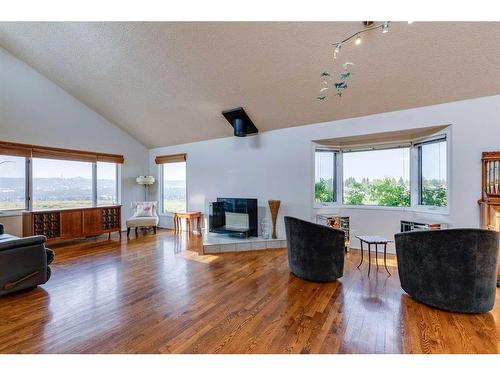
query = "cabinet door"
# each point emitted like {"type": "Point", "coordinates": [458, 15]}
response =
{"type": "Point", "coordinates": [27, 224]}
{"type": "Point", "coordinates": [111, 218]}
{"type": "Point", "coordinates": [92, 221]}
{"type": "Point", "coordinates": [71, 224]}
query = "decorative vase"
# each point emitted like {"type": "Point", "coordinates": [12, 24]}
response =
{"type": "Point", "coordinates": [274, 206]}
{"type": "Point", "coordinates": [264, 229]}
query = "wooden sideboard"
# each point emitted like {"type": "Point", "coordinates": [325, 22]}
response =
{"type": "Point", "coordinates": [72, 223]}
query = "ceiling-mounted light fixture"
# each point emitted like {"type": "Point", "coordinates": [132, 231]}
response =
{"type": "Point", "coordinates": [336, 51]}
{"type": "Point", "coordinates": [328, 83]}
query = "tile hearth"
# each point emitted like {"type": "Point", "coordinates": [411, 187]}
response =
{"type": "Point", "coordinates": [220, 243]}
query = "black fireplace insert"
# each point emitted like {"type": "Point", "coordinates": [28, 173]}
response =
{"type": "Point", "coordinates": [234, 216]}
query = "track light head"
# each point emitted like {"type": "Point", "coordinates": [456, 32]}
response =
{"type": "Point", "coordinates": [385, 28]}
{"type": "Point", "coordinates": [358, 40]}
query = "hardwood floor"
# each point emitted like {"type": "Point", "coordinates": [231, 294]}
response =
{"type": "Point", "coordinates": [155, 294]}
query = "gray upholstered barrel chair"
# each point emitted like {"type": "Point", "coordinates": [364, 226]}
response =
{"type": "Point", "coordinates": [315, 252]}
{"type": "Point", "coordinates": [452, 269]}
{"type": "Point", "coordinates": [24, 262]}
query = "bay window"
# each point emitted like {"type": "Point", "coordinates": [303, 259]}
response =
{"type": "Point", "coordinates": [377, 177]}
{"type": "Point", "coordinates": [325, 179]}
{"type": "Point", "coordinates": [382, 175]}
{"type": "Point", "coordinates": [432, 171]}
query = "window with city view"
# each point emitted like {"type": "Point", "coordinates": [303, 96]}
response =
{"type": "Point", "coordinates": [325, 176]}
{"type": "Point", "coordinates": [61, 183]}
{"type": "Point", "coordinates": [12, 182]}
{"type": "Point", "coordinates": [377, 177]}
{"type": "Point", "coordinates": [432, 173]}
{"type": "Point", "coordinates": [106, 184]}
{"type": "Point", "coordinates": [174, 186]}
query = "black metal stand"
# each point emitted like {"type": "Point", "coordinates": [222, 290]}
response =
{"type": "Point", "coordinates": [361, 261]}
{"type": "Point", "coordinates": [376, 255]}
{"type": "Point", "coordinates": [385, 259]}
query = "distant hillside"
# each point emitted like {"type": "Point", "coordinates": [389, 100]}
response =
{"type": "Point", "coordinates": [12, 188]}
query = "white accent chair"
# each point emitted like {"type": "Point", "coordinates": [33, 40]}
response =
{"type": "Point", "coordinates": [141, 220]}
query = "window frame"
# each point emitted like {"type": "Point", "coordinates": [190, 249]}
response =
{"type": "Point", "coordinates": [386, 146]}
{"type": "Point", "coordinates": [94, 184]}
{"type": "Point", "coordinates": [161, 187]}
{"type": "Point", "coordinates": [29, 188]}
{"type": "Point", "coordinates": [416, 193]}
{"type": "Point", "coordinates": [335, 177]}
{"type": "Point", "coordinates": [26, 189]}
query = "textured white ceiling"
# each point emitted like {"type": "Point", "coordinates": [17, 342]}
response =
{"type": "Point", "coordinates": [167, 83]}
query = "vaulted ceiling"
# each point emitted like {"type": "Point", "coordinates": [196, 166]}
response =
{"type": "Point", "coordinates": [166, 83]}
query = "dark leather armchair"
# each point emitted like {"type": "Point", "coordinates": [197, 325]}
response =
{"type": "Point", "coordinates": [24, 262]}
{"type": "Point", "coordinates": [452, 269]}
{"type": "Point", "coordinates": [315, 252]}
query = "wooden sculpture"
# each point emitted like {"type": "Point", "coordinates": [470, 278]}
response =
{"type": "Point", "coordinates": [274, 206]}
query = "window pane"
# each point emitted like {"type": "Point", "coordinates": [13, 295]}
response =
{"type": "Point", "coordinates": [174, 187]}
{"type": "Point", "coordinates": [12, 182]}
{"type": "Point", "coordinates": [377, 177]}
{"type": "Point", "coordinates": [433, 174]}
{"type": "Point", "coordinates": [106, 184]}
{"type": "Point", "coordinates": [324, 180]}
{"type": "Point", "coordinates": [61, 183]}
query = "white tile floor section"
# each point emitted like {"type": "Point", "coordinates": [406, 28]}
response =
{"type": "Point", "coordinates": [222, 243]}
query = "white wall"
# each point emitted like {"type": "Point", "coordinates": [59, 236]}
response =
{"type": "Point", "coordinates": [279, 164]}
{"type": "Point", "coordinates": [35, 110]}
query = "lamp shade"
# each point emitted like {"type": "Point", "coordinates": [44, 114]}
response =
{"type": "Point", "coordinates": [145, 180]}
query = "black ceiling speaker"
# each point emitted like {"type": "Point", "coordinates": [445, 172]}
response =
{"type": "Point", "coordinates": [240, 122]}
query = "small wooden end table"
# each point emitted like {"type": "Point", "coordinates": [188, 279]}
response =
{"type": "Point", "coordinates": [374, 240]}
{"type": "Point", "coordinates": [189, 216]}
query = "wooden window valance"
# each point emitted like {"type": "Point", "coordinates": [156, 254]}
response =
{"type": "Point", "coordinates": [18, 149]}
{"type": "Point", "coordinates": [110, 158]}
{"type": "Point", "coordinates": [15, 149]}
{"type": "Point", "coordinates": [170, 158]}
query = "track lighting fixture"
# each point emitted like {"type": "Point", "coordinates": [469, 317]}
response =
{"type": "Point", "coordinates": [328, 83]}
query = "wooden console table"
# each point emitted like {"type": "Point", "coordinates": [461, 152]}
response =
{"type": "Point", "coordinates": [72, 223]}
{"type": "Point", "coordinates": [189, 216]}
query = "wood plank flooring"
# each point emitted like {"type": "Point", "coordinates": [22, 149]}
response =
{"type": "Point", "coordinates": [155, 294]}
